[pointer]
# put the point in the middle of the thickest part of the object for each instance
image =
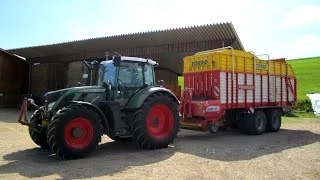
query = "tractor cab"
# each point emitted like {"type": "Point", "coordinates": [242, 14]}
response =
{"type": "Point", "coordinates": [124, 76]}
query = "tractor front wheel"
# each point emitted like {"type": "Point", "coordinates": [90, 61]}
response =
{"type": "Point", "coordinates": [37, 132]}
{"type": "Point", "coordinates": [157, 122]}
{"type": "Point", "coordinates": [74, 132]}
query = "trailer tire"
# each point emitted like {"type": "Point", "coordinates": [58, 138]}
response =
{"type": "Point", "coordinates": [273, 120]}
{"type": "Point", "coordinates": [254, 124]}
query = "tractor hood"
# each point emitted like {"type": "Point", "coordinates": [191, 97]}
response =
{"type": "Point", "coordinates": [61, 95]}
{"type": "Point", "coordinates": [81, 88]}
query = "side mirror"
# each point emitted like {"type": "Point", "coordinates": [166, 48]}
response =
{"type": "Point", "coordinates": [85, 76]}
{"type": "Point", "coordinates": [161, 82]}
{"type": "Point", "coordinates": [109, 85]}
{"type": "Point", "coordinates": [82, 67]}
{"type": "Point", "coordinates": [120, 87]}
{"type": "Point", "coordinates": [117, 60]}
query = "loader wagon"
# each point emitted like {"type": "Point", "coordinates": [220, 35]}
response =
{"type": "Point", "coordinates": [232, 88]}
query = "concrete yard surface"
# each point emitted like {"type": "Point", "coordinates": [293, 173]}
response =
{"type": "Point", "coordinates": [291, 153]}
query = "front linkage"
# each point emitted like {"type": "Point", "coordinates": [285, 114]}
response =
{"type": "Point", "coordinates": [23, 119]}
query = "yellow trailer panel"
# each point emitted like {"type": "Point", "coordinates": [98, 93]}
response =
{"type": "Point", "coordinates": [237, 61]}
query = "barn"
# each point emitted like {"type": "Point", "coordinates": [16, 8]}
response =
{"type": "Point", "coordinates": [56, 66]}
{"type": "Point", "coordinates": [13, 79]}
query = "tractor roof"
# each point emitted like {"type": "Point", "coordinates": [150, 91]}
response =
{"type": "Point", "coordinates": [137, 59]}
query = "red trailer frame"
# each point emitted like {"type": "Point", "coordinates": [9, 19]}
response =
{"type": "Point", "coordinates": [209, 96]}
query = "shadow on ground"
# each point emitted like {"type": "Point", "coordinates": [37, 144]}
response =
{"type": "Point", "coordinates": [115, 157]}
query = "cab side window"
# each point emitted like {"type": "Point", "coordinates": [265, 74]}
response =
{"type": "Point", "coordinates": [130, 74]}
{"type": "Point", "coordinates": [148, 73]}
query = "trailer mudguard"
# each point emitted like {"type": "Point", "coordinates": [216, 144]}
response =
{"type": "Point", "coordinates": [137, 100]}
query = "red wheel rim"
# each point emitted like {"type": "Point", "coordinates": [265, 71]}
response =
{"type": "Point", "coordinates": [160, 121]}
{"type": "Point", "coordinates": [78, 133]}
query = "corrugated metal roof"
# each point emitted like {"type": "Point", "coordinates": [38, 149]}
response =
{"type": "Point", "coordinates": [13, 55]}
{"type": "Point", "coordinates": [159, 39]}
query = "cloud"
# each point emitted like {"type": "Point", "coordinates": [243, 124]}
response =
{"type": "Point", "coordinates": [306, 45]}
{"type": "Point", "coordinates": [165, 14]}
{"type": "Point", "coordinates": [302, 16]}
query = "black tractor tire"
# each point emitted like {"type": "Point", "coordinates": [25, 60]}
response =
{"type": "Point", "coordinates": [38, 133]}
{"type": "Point", "coordinates": [156, 123]}
{"type": "Point", "coordinates": [254, 124]}
{"type": "Point", "coordinates": [70, 122]}
{"type": "Point", "coordinates": [273, 120]}
{"type": "Point", "coordinates": [226, 124]}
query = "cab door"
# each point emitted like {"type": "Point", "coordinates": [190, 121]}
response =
{"type": "Point", "coordinates": [130, 78]}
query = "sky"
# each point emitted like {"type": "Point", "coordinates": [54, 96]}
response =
{"type": "Point", "coordinates": [280, 28]}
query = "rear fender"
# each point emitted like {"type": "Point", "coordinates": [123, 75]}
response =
{"type": "Point", "coordinates": [137, 100]}
{"type": "Point", "coordinates": [98, 111]}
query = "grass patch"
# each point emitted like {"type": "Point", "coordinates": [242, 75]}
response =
{"type": "Point", "coordinates": [303, 114]}
{"type": "Point", "coordinates": [307, 71]}
{"type": "Point", "coordinates": [181, 81]}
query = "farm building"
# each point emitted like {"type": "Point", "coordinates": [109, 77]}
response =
{"type": "Point", "coordinates": [13, 78]}
{"type": "Point", "coordinates": [59, 65]}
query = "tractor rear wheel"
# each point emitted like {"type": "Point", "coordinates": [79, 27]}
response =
{"type": "Point", "coordinates": [74, 132]}
{"type": "Point", "coordinates": [37, 132]}
{"type": "Point", "coordinates": [156, 124]}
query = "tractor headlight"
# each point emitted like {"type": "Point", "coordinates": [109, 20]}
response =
{"type": "Point", "coordinates": [50, 105]}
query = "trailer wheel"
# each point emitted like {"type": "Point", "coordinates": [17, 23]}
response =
{"type": "Point", "coordinates": [156, 124]}
{"type": "Point", "coordinates": [213, 129]}
{"type": "Point", "coordinates": [74, 132]}
{"type": "Point", "coordinates": [36, 132]}
{"type": "Point", "coordinates": [254, 124]}
{"type": "Point", "coordinates": [273, 120]}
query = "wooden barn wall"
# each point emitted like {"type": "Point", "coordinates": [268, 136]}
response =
{"type": "Point", "coordinates": [48, 77]}
{"type": "Point", "coordinates": [170, 78]}
{"type": "Point", "coordinates": [13, 79]}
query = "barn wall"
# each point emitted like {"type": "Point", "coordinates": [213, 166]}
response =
{"type": "Point", "coordinates": [13, 79]}
{"type": "Point", "coordinates": [170, 78]}
{"type": "Point", "coordinates": [39, 80]}
{"type": "Point", "coordinates": [74, 73]}
{"type": "Point", "coordinates": [47, 77]}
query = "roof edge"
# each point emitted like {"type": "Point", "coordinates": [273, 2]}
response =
{"type": "Point", "coordinates": [237, 36]}
{"type": "Point", "coordinates": [129, 34]}
{"type": "Point", "coordinates": [13, 55]}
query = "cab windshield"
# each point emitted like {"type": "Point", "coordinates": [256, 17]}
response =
{"type": "Point", "coordinates": [107, 73]}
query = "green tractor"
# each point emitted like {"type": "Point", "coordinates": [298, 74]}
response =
{"type": "Point", "coordinates": [125, 104]}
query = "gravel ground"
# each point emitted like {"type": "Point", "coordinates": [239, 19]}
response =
{"type": "Point", "coordinates": [292, 153]}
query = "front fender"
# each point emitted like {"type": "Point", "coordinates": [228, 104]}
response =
{"type": "Point", "coordinates": [98, 111]}
{"type": "Point", "coordinates": [137, 100]}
